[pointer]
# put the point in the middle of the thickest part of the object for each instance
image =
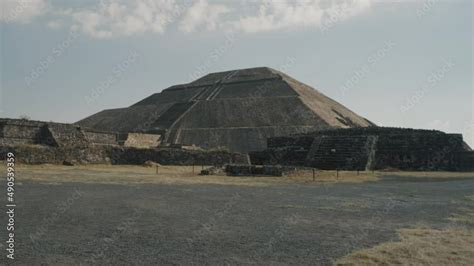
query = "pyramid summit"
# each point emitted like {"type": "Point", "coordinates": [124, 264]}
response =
{"type": "Point", "coordinates": [237, 109]}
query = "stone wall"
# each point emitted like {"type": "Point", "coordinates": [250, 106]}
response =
{"type": "Point", "coordinates": [41, 154]}
{"type": "Point", "coordinates": [67, 135]}
{"type": "Point", "coordinates": [339, 152]}
{"type": "Point", "coordinates": [166, 156]}
{"type": "Point", "coordinates": [416, 151]}
{"type": "Point", "coordinates": [103, 138]}
{"type": "Point", "coordinates": [303, 142]}
{"type": "Point", "coordinates": [17, 131]}
{"type": "Point", "coordinates": [465, 161]}
{"type": "Point", "coordinates": [100, 154]}
{"type": "Point", "coordinates": [14, 141]}
{"type": "Point", "coordinates": [36, 142]}
{"type": "Point", "coordinates": [20, 131]}
{"type": "Point", "coordinates": [367, 149]}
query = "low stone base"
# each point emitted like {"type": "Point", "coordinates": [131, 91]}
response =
{"type": "Point", "coordinates": [100, 154]}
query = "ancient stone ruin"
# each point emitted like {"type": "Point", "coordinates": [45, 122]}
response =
{"type": "Point", "coordinates": [369, 149]}
{"type": "Point", "coordinates": [37, 142]}
{"type": "Point", "coordinates": [20, 131]}
{"type": "Point", "coordinates": [219, 118]}
{"type": "Point", "coordinates": [236, 109]}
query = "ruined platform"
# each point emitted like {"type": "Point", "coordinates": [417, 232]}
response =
{"type": "Point", "coordinates": [38, 142]}
{"type": "Point", "coordinates": [370, 149]}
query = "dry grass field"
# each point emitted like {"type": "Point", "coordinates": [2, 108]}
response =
{"type": "Point", "coordinates": [425, 246]}
{"type": "Point", "coordinates": [419, 246]}
{"type": "Point", "coordinates": [168, 174]}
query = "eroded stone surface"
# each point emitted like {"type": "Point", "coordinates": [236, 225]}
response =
{"type": "Point", "coordinates": [368, 149]}
{"type": "Point", "coordinates": [237, 110]}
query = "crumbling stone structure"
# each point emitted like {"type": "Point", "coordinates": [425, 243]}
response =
{"type": "Point", "coordinates": [100, 137]}
{"type": "Point", "coordinates": [105, 154]}
{"type": "Point", "coordinates": [236, 110]}
{"type": "Point", "coordinates": [19, 131]}
{"type": "Point", "coordinates": [276, 118]}
{"type": "Point", "coordinates": [172, 156]}
{"type": "Point", "coordinates": [36, 142]}
{"type": "Point", "coordinates": [369, 149]}
{"type": "Point", "coordinates": [465, 161]}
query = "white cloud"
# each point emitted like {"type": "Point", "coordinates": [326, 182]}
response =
{"type": "Point", "coordinates": [202, 14]}
{"type": "Point", "coordinates": [55, 24]}
{"type": "Point", "coordinates": [21, 11]}
{"type": "Point", "coordinates": [117, 18]}
{"type": "Point", "coordinates": [287, 15]}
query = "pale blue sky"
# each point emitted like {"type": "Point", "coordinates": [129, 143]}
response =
{"type": "Point", "coordinates": [375, 57]}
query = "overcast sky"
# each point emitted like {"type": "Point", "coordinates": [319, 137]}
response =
{"type": "Point", "coordinates": [397, 63]}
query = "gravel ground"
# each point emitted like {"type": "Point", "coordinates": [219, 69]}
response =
{"type": "Point", "coordinates": [73, 223]}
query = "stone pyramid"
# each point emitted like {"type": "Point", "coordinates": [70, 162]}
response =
{"type": "Point", "coordinates": [237, 110]}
